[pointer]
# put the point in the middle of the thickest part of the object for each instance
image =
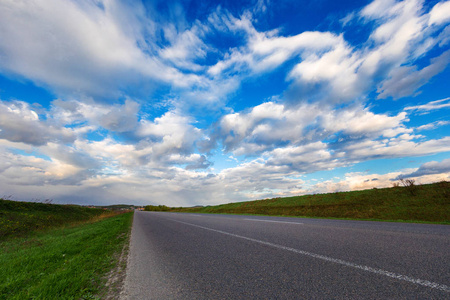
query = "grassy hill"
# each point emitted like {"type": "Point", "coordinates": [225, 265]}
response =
{"type": "Point", "coordinates": [20, 218]}
{"type": "Point", "coordinates": [414, 203]}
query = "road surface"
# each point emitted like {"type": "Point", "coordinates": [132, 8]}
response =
{"type": "Point", "coordinates": [193, 256]}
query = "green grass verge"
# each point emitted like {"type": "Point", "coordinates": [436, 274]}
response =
{"type": "Point", "coordinates": [21, 218]}
{"type": "Point", "coordinates": [417, 203]}
{"type": "Point", "coordinates": [64, 263]}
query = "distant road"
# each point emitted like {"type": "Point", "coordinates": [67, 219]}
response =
{"type": "Point", "coordinates": [193, 256]}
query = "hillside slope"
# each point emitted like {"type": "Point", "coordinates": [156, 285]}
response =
{"type": "Point", "coordinates": [18, 218]}
{"type": "Point", "coordinates": [416, 203]}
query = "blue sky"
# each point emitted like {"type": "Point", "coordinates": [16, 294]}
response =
{"type": "Point", "coordinates": [200, 102]}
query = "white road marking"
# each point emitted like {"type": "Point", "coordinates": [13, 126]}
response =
{"type": "Point", "coordinates": [422, 282]}
{"type": "Point", "coordinates": [273, 221]}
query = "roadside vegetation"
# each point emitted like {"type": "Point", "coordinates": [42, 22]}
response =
{"type": "Point", "coordinates": [52, 251]}
{"type": "Point", "coordinates": [21, 218]}
{"type": "Point", "coordinates": [406, 201]}
{"type": "Point", "coordinates": [158, 208]}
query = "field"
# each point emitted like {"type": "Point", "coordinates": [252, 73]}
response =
{"type": "Point", "coordinates": [60, 252]}
{"type": "Point", "coordinates": [410, 203]}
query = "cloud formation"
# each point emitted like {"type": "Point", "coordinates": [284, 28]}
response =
{"type": "Point", "coordinates": [429, 168]}
{"type": "Point", "coordinates": [20, 123]}
{"type": "Point", "coordinates": [148, 100]}
{"type": "Point", "coordinates": [433, 105]}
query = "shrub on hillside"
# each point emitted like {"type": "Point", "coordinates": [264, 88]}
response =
{"type": "Point", "coordinates": [156, 208]}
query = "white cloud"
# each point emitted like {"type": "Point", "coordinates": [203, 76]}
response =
{"type": "Point", "coordinates": [400, 39]}
{"type": "Point", "coordinates": [336, 72]}
{"type": "Point", "coordinates": [22, 170]}
{"type": "Point", "coordinates": [265, 126]}
{"type": "Point", "coordinates": [404, 81]}
{"type": "Point", "coordinates": [21, 124]}
{"type": "Point", "coordinates": [321, 156]}
{"type": "Point", "coordinates": [402, 146]}
{"type": "Point", "coordinates": [378, 9]}
{"type": "Point", "coordinates": [306, 159]}
{"type": "Point", "coordinates": [361, 122]}
{"type": "Point", "coordinates": [185, 47]}
{"type": "Point", "coordinates": [330, 70]}
{"type": "Point", "coordinates": [116, 118]}
{"type": "Point", "coordinates": [70, 46]}
{"type": "Point", "coordinates": [430, 168]}
{"type": "Point", "coordinates": [70, 155]}
{"type": "Point", "coordinates": [71, 51]}
{"type": "Point", "coordinates": [433, 125]}
{"type": "Point", "coordinates": [170, 132]}
{"type": "Point", "coordinates": [433, 105]}
{"type": "Point", "coordinates": [400, 21]}
{"type": "Point", "coordinates": [266, 51]}
{"type": "Point", "coordinates": [272, 125]}
{"type": "Point", "coordinates": [261, 6]}
{"type": "Point", "coordinates": [121, 118]}
{"type": "Point", "coordinates": [440, 13]}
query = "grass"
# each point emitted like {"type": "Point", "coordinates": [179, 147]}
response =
{"type": "Point", "coordinates": [68, 260]}
{"type": "Point", "coordinates": [21, 218]}
{"type": "Point", "coordinates": [412, 203]}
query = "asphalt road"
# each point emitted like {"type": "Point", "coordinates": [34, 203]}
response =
{"type": "Point", "coordinates": [192, 256]}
